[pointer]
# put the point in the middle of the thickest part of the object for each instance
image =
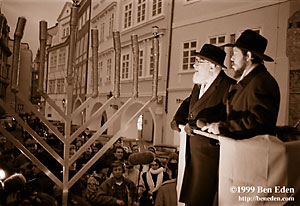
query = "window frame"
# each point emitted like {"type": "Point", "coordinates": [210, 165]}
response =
{"type": "Point", "coordinates": [156, 9]}
{"type": "Point", "coordinates": [52, 85]}
{"type": "Point", "coordinates": [142, 15]}
{"type": "Point", "coordinates": [127, 20]}
{"type": "Point", "coordinates": [60, 86]}
{"type": "Point", "coordinates": [190, 57]}
{"type": "Point", "coordinates": [125, 70]}
{"type": "Point", "coordinates": [141, 63]}
{"type": "Point", "coordinates": [108, 69]}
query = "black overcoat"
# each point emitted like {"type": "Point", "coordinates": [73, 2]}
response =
{"type": "Point", "coordinates": [202, 154]}
{"type": "Point", "coordinates": [252, 106]}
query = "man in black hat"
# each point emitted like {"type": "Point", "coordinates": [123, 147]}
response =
{"type": "Point", "coordinates": [206, 103]}
{"type": "Point", "coordinates": [253, 103]}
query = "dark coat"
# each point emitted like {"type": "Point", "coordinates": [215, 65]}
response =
{"type": "Point", "coordinates": [108, 194]}
{"type": "Point", "coordinates": [253, 106]}
{"type": "Point", "coordinates": [167, 195]}
{"type": "Point", "coordinates": [210, 107]}
{"type": "Point", "coordinates": [202, 154]}
{"type": "Point", "coordinates": [145, 199]}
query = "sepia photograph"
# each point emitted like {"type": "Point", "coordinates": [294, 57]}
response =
{"type": "Point", "coordinates": [149, 102]}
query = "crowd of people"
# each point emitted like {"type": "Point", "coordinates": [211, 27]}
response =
{"type": "Point", "coordinates": [112, 180]}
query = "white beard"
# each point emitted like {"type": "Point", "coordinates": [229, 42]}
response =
{"type": "Point", "coordinates": [201, 75]}
{"type": "Point", "coordinates": [199, 78]}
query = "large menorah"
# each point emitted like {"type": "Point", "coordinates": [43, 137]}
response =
{"type": "Point", "coordinates": [66, 161]}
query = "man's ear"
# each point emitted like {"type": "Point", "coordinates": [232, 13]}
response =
{"type": "Point", "coordinates": [249, 56]}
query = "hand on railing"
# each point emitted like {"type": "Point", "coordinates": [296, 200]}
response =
{"type": "Point", "coordinates": [212, 128]}
{"type": "Point", "coordinates": [189, 129]}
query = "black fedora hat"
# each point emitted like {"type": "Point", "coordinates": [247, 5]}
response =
{"type": "Point", "coordinates": [253, 42]}
{"type": "Point", "coordinates": [213, 54]}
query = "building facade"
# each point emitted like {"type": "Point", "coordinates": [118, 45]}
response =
{"type": "Point", "coordinates": [222, 22]}
{"type": "Point", "coordinates": [24, 79]}
{"type": "Point", "coordinates": [35, 95]}
{"type": "Point", "coordinates": [132, 17]}
{"type": "Point", "coordinates": [5, 52]}
{"type": "Point", "coordinates": [56, 65]}
{"type": "Point", "coordinates": [81, 58]}
{"type": "Point", "coordinates": [180, 33]}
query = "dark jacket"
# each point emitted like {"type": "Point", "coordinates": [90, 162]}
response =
{"type": "Point", "coordinates": [202, 155]}
{"type": "Point", "coordinates": [167, 194]}
{"type": "Point", "coordinates": [211, 107]}
{"type": "Point", "coordinates": [147, 200]}
{"type": "Point", "coordinates": [110, 192]}
{"type": "Point", "coordinates": [253, 106]}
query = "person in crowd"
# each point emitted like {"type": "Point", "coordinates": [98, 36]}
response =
{"type": "Point", "coordinates": [74, 198]}
{"type": "Point", "coordinates": [39, 199]}
{"type": "Point", "coordinates": [96, 179]}
{"type": "Point", "coordinates": [118, 155]}
{"type": "Point", "coordinates": [41, 182]}
{"type": "Point", "coordinates": [21, 159]}
{"type": "Point", "coordinates": [206, 104]}
{"type": "Point", "coordinates": [96, 147]}
{"type": "Point", "coordinates": [167, 193]}
{"type": "Point", "coordinates": [253, 102]}
{"type": "Point", "coordinates": [133, 173]}
{"type": "Point", "coordinates": [14, 187]}
{"type": "Point", "coordinates": [135, 148]}
{"type": "Point", "coordinates": [152, 149]}
{"type": "Point", "coordinates": [116, 190]}
{"type": "Point", "coordinates": [172, 165]}
{"type": "Point", "coordinates": [118, 143]}
{"type": "Point", "coordinates": [110, 152]}
{"type": "Point", "coordinates": [152, 180]}
{"type": "Point", "coordinates": [73, 167]}
{"type": "Point", "coordinates": [79, 142]}
{"type": "Point", "coordinates": [84, 159]}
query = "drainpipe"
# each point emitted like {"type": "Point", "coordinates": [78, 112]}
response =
{"type": "Point", "coordinates": [169, 56]}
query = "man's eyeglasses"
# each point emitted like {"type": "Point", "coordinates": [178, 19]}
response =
{"type": "Point", "coordinates": [198, 60]}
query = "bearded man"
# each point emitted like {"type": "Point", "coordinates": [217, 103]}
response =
{"type": "Point", "coordinates": [253, 102]}
{"type": "Point", "coordinates": [206, 104]}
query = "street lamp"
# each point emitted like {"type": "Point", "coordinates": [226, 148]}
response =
{"type": "Point", "coordinates": [155, 30]}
